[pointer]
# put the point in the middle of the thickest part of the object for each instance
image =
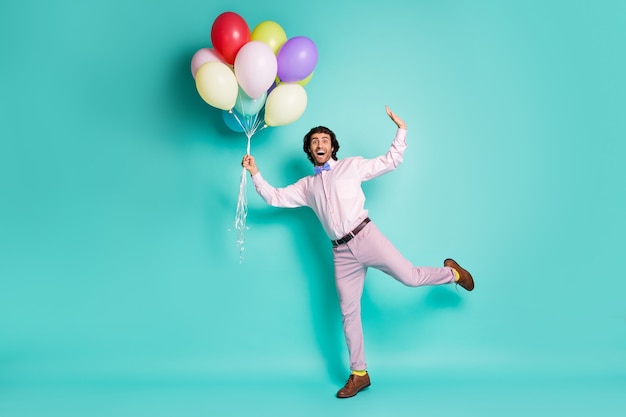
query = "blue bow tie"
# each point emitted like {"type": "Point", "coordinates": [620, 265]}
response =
{"type": "Point", "coordinates": [325, 167]}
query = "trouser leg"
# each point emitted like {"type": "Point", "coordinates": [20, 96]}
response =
{"type": "Point", "coordinates": [349, 279]}
{"type": "Point", "coordinates": [375, 250]}
{"type": "Point", "coordinates": [370, 248]}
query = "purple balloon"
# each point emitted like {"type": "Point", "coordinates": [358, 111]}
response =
{"type": "Point", "coordinates": [296, 59]}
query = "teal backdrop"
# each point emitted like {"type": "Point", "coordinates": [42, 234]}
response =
{"type": "Point", "coordinates": [122, 291]}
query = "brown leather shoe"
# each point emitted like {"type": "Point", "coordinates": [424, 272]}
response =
{"type": "Point", "coordinates": [354, 384]}
{"type": "Point", "coordinates": [465, 278]}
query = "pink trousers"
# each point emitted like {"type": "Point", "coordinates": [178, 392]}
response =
{"type": "Point", "coordinates": [370, 248]}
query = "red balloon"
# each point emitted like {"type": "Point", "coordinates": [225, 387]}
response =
{"type": "Point", "coordinates": [229, 33]}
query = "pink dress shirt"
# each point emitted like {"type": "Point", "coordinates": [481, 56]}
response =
{"type": "Point", "coordinates": [336, 195]}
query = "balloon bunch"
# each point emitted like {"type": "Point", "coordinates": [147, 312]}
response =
{"type": "Point", "coordinates": [256, 78]}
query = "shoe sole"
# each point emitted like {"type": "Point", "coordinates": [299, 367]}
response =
{"type": "Point", "coordinates": [350, 396]}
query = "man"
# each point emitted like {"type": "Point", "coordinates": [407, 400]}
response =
{"type": "Point", "coordinates": [335, 195]}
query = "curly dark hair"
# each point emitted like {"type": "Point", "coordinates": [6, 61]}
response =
{"type": "Point", "coordinates": [320, 129]}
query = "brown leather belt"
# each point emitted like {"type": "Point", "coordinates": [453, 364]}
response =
{"type": "Point", "coordinates": [347, 238]}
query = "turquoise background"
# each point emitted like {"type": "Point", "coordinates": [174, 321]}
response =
{"type": "Point", "coordinates": [121, 288]}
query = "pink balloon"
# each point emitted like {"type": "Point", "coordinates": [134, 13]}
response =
{"type": "Point", "coordinates": [255, 68]}
{"type": "Point", "coordinates": [203, 56]}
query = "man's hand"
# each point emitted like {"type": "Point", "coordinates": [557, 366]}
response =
{"type": "Point", "coordinates": [248, 163]}
{"type": "Point", "coordinates": [398, 121]}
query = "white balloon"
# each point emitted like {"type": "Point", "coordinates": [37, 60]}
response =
{"type": "Point", "coordinates": [285, 104]}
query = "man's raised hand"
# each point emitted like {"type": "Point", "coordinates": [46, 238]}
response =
{"type": "Point", "coordinates": [396, 119]}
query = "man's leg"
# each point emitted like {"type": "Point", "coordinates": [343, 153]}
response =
{"type": "Point", "coordinates": [349, 278]}
{"type": "Point", "coordinates": [375, 250]}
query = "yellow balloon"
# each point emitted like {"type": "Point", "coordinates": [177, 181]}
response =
{"type": "Point", "coordinates": [271, 33]}
{"type": "Point", "coordinates": [302, 82]}
{"type": "Point", "coordinates": [306, 80]}
{"type": "Point", "coordinates": [285, 104]}
{"type": "Point", "coordinates": [217, 85]}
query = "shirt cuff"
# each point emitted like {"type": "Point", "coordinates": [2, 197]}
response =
{"type": "Point", "coordinates": [401, 135]}
{"type": "Point", "coordinates": [257, 178]}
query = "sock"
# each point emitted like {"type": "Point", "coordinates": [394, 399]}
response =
{"type": "Point", "coordinates": [359, 373]}
{"type": "Point", "coordinates": [456, 275]}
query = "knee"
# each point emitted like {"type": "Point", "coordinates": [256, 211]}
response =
{"type": "Point", "coordinates": [350, 314]}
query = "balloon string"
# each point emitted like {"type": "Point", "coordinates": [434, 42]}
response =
{"type": "Point", "coordinates": [250, 124]}
{"type": "Point", "coordinates": [241, 213]}
{"type": "Point", "coordinates": [249, 128]}
{"type": "Point", "coordinates": [238, 121]}
{"type": "Point", "coordinates": [257, 123]}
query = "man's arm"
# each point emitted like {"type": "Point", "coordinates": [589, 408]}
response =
{"type": "Point", "coordinates": [371, 168]}
{"type": "Point", "coordinates": [288, 197]}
